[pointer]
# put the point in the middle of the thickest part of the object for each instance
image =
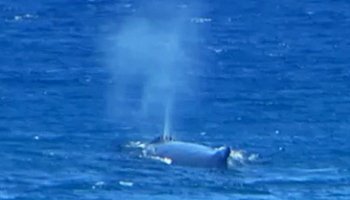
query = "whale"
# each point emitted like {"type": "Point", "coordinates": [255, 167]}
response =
{"type": "Point", "coordinates": [187, 153]}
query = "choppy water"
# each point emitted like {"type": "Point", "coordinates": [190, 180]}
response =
{"type": "Point", "coordinates": [272, 80]}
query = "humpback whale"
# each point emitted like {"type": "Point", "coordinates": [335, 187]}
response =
{"type": "Point", "coordinates": [187, 153]}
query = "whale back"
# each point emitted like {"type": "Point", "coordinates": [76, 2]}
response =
{"type": "Point", "coordinates": [190, 154]}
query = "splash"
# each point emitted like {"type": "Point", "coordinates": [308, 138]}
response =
{"type": "Point", "coordinates": [167, 161]}
{"type": "Point", "coordinates": [240, 158]}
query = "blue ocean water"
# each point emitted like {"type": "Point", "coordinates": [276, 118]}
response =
{"type": "Point", "coordinates": [268, 78]}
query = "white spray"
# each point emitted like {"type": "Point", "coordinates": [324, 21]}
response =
{"type": "Point", "coordinates": [149, 62]}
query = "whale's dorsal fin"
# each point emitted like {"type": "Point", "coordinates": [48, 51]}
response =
{"type": "Point", "coordinates": [222, 155]}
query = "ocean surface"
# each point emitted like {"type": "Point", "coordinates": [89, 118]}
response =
{"type": "Point", "coordinates": [84, 83]}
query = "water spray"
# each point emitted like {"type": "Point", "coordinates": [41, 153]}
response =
{"type": "Point", "coordinates": [167, 117]}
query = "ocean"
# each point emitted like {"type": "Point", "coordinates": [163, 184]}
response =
{"type": "Point", "coordinates": [85, 83]}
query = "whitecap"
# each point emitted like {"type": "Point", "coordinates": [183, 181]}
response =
{"type": "Point", "coordinates": [126, 183]}
{"type": "Point", "coordinates": [200, 20]}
